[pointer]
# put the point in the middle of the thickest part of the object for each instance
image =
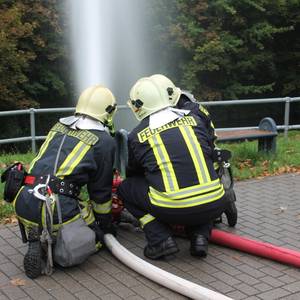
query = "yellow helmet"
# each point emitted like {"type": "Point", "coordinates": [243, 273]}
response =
{"type": "Point", "coordinates": [147, 97]}
{"type": "Point", "coordinates": [165, 83]}
{"type": "Point", "coordinates": [97, 102]}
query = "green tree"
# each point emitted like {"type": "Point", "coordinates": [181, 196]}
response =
{"type": "Point", "coordinates": [287, 49]}
{"type": "Point", "coordinates": [229, 48]}
{"type": "Point", "coordinates": [14, 60]}
{"type": "Point", "coordinates": [49, 73]}
{"type": "Point", "coordinates": [33, 60]}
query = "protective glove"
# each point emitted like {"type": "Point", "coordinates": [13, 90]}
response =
{"type": "Point", "coordinates": [104, 221]}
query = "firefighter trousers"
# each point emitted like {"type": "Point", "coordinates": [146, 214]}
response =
{"type": "Point", "coordinates": [197, 220]}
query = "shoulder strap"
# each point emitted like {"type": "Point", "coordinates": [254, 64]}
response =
{"type": "Point", "coordinates": [58, 208]}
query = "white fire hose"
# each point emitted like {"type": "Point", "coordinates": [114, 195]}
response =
{"type": "Point", "coordinates": [158, 275]}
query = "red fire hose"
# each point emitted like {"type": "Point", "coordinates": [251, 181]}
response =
{"type": "Point", "coordinates": [230, 240]}
{"type": "Point", "coordinates": [262, 249]}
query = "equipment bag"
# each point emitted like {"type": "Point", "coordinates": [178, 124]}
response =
{"type": "Point", "coordinates": [13, 177]}
{"type": "Point", "coordinates": [75, 242]}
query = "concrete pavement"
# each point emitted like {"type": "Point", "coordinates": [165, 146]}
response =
{"type": "Point", "coordinates": [269, 210]}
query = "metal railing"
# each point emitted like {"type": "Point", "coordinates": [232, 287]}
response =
{"type": "Point", "coordinates": [33, 111]}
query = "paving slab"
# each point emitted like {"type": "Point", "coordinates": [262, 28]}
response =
{"type": "Point", "coordinates": [269, 211]}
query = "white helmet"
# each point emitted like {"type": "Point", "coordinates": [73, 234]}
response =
{"type": "Point", "coordinates": [165, 83]}
{"type": "Point", "coordinates": [97, 102]}
{"type": "Point", "coordinates": [147, 97]}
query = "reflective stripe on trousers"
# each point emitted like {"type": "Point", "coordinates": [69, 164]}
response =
{"type": "Point", "coordinates": [185, 202]}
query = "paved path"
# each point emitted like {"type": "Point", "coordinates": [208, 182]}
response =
{"type": "Point", "coordinates": [269, 210]}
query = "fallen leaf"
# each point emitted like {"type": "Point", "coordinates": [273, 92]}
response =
{"type": "Point", "coordinates": [265, 164]}
{"type": "Point", "coordinates": [18, 282]}
{"type": "Point", "coordinates": [10, 220]}
{"type": "Point", "coordinates": [236, 257]}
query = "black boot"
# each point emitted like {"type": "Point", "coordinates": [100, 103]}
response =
{"type": "Point", "coordinates": [199, 245]}
{"type": "Point", "coordinates": [163, 249]}
{"type": "Point", "coordinates": [33, 257]}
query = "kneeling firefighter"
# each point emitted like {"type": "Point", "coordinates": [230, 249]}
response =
{"type": "Point", "coordinates": [184, 100]}
{"type": "Point", "coordinates": [170, 174]}
{"type": "Point", "coordinates": [77, 152]}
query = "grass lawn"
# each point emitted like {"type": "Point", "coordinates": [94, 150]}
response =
{"type": "Point", "coordinates": [246, 162]}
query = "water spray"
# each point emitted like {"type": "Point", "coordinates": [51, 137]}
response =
{"type": "Point", "coordinates": [106, 40]}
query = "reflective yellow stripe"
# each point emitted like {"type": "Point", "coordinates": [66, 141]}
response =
{"type": "Point", "coordinates": [73, 159]}
{"type": "Point", "coordinates": [14, 202]}
{"type": "Point", "coordinates": [146, 219]}
{"type": "Point", "coordinates": [43, 211]}
{"type": "Point", "coordinates": [27, 223]}
{"type": "Point", "coordinates": [164, 163]}
{"type": "Point", "coordinates": [204, 110]}
{"type": "Point", "coordinates": [98, 246]}
{"type": "Point", "coordinates": [188, 191]}
{"type": "Point", "coordinates": [193, 201]}
{"type": "Point", "coordinates": [196, 153]}
{"type": "Point", "coordinates": [197, 162]}
{"type": "Point", "coordinates": [160, 164]}
{"type": "Point", "coordinates": [87, 215]}
{"type": "Point", "coordinates": [55, 226]}
{"type": "Point", "coordinates": [76, 217]}
{"type": "Point", "coordinates": [102, 208]}
{"type": "Point", "coordinates": [43, 149]}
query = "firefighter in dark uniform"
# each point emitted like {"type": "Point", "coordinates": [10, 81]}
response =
{"type": "Point", "coordinates": [185, 100]}
{"type": "Point", "coordinates": [170, 175]}
{"type": "Point", "coordinates": [77, 152]}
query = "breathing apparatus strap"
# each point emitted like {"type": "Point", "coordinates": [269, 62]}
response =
{"type": "Point", "coordinates": [47, 231]}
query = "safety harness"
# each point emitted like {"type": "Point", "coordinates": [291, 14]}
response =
{"type": "Point", "coordinates": [57, 185]}
{"type": "Point", "coordinates": [44, 192]}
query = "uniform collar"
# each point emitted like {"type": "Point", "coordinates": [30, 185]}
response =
{"type": "Point", "coordinates": [166, 116]}
{"type": "Point", "coordinates": [82, 122]}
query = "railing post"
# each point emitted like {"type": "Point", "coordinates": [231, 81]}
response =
{"type": "Point", "coordinates": [32, 130]}
{"type": "Point", "coordinates": [286, 116]}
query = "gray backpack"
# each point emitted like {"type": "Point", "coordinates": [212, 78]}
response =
{"type": "Point", "coordinates": [75, 242]}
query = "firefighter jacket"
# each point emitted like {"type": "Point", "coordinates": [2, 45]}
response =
{"type": "Point", "coordinates": [188, 103]}
{"type": "Point", "coordinates": [176, 160]}
{"type": "Point", "coordinates": [86, 159]}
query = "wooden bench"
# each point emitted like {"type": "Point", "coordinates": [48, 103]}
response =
{"type": "Point", "coordinates": [265, 134]}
